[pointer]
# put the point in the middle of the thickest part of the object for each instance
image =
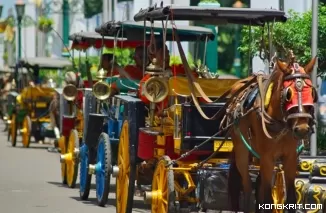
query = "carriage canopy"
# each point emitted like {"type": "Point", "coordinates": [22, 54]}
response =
{"type": "Point", "coordinates": [214, 16]}
{"type": "Point", "coordinates": [135, 31]}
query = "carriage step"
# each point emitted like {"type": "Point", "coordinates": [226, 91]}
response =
{"type": "Point", "coordinates": [151, 131]}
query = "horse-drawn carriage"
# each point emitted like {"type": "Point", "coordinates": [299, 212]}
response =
{"type": "Point", "coordinates": [267, 117]}
{"type": "Point", "coordinates": [29, 103]}
{"type": "Point", "coordinates": [76, 105]}
{"type": "Point", "coordinates": [99, 157]}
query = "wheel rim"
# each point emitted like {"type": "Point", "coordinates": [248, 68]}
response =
{"type": "Point", "coordinates": [26, 132]}
{"type": "Point", "coordinates": [13, 128]}
{"type": "Point", "coordinates": [124, 169]}
{"type": "Point", "coordinates": [71, 163]}
{"type": "Point", "coordinates": [100, 173]}
{"type": "Point", "coordinates": [160, 189]}
{"type": "Point", "coordinates": [63, 151]}
{"type": "Point", "coordinates": [84, 161]}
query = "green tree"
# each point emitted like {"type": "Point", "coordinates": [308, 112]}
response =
{"type": "Point", "coordinates": [295, 34]}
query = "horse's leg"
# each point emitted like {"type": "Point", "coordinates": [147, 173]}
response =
{"type": "Point", "coordinates": [289, 165]}
{"type": "Point", "coordinates": [242, 163]}
{"type": "Point", "coordinates": [266, 176]}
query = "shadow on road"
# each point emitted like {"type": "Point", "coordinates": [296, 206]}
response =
{"type": "Point", "coordinates": [20, 146]}
{"type": "Point", "coordinates": [138, 204]}
{"type": "Point", "coordinates": [61, 185]}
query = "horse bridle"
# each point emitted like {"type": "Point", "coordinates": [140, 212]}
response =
{"type": "Point", "coordinates": [299, 81]}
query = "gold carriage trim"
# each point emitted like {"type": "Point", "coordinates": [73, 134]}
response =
{"type": "Point", "coordinates": [211, 87]}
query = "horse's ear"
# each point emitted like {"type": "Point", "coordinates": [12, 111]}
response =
{"type": "Point", "coordinates": [310, 66]}
{"type": "Point", "coordinates": [283, 67]}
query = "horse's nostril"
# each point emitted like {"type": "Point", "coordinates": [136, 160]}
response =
{"type": "Point", "coordinates": [296, 129]}
{"type": "Point", "coordinates": [301, 132]}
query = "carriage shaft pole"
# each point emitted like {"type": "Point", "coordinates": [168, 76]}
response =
{"type": "Point", "coordinates": [314, 47]}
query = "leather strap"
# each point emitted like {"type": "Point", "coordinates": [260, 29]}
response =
{"type": "Point", "coordinates": [191, 79]}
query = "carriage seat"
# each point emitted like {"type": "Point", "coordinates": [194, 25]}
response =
{"type": "Point", "coordinates": [178, 86]}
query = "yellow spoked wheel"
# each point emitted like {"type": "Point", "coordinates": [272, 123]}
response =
{"type": "Point", "coordinates": [162, 196]}
{"type": "Point", "coordinates": [13, 130]}
{"type": "Point", "coordinates": [26, 131]}
{"type": "Point", "coordinates": [278, 191]}
{"type": "Point", "coordinates": [63, 147]}
{"type": "Point", "coordinates": [72, 159]}
{"type": "Point", "coordinates": [125, 181]}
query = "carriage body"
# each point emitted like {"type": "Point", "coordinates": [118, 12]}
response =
{"type": "Point", "coordinates": [172, 148]}
{"type": "Point", "coordinates": [30, 112]}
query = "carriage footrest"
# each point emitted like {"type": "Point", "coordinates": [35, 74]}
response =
{"type": "Point", "coordinates": [318, 179]}
{"type": "Point", "coordinates": [151, 131]}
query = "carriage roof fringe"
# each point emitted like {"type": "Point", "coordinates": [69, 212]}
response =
{"type": "Point", "coordinates": [217, 16]}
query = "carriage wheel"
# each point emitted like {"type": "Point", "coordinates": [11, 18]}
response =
{"type": "Point", "coordinates": [125, 181]}
{"type": "Point", "coordinates": [162, 196]}
{"type": "Point", "coordinates": [72, 158]}
{"type": "Point", "coordinates": [278, 191]}
{"type": "Point", "coordinates": [63, 149]}
{"type": "Point", "coordinates": [26, 131]}
{"type": "Point", "coordinates": [103, 169]}
{"type": "Point", "coordinates": [13, 130]}
{"type": "Point", "coordinates": [84, 178]}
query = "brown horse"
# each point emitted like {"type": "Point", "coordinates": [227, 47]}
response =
{"type": "Point", "coordinates": [283, 114]}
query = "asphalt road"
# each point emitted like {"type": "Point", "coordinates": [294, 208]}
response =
{"type": "Point", "coordinates": [30, 182]}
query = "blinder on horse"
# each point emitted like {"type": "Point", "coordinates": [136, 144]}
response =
{"type": "Point", "coordinates": [298, 92]}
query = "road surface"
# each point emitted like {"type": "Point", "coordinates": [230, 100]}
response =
{"type": "Point", "coordinates": [30, 182]}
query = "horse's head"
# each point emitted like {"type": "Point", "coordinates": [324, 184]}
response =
{"type": "Point", "coordinates": [297, 96]}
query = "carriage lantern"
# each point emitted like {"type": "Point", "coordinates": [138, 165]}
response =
{"type": "Point", "coordinates": [20, 10]}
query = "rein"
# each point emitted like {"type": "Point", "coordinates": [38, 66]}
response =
{"type": "Point", "coordinates": [194, 85]}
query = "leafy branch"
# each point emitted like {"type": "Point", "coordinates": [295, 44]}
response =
{"type": "Point", "coordinates": [294, 35]}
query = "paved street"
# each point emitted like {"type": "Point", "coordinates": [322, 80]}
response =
{"type": "Point", "coordinates": [30, 182]}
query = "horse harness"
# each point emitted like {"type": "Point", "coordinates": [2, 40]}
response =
{"type": "Point", "coordinates": [247, 98]}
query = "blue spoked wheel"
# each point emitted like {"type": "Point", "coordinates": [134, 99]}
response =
{"type": "Point", "coordinates": [103, 169]}
{"type": "Point", "coordinates": [85, 178]}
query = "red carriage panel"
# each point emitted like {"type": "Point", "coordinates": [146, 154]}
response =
{"type": "Point", "coordinates": [68, 123]}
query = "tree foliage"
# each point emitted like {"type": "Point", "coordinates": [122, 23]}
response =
{"type": "Point", "coordinates": [295, 34]}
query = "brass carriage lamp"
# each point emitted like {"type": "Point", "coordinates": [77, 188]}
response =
{"type": "Point", "coordinates": [20, 10]}
{"type": "Point", "coordinates": [1, 7]}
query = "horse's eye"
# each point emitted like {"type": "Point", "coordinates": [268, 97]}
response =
{"type": "Point", "coordinates": [314, 94]}
{"type": "Point", "coordinates": [288, 94]}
